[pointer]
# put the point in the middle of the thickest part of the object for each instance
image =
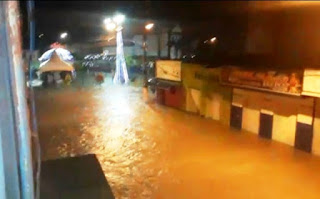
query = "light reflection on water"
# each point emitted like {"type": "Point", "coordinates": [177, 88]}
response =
{"type": "Point", "coordinates": [103, 120]}
{"type": "Point", "coordinates": [149, 151]}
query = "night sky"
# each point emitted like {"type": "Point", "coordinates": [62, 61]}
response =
{"type": "Point", "coordinates": [290, 24]}
{"type": "Point", "coordinates": [83, 19]}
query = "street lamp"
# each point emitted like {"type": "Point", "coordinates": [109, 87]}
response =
{"type": "Point", "coordinates": [149, 26]}
{"type": "Point", "coordinates": [119, 19]}
{"type": "Point", "coordinates": [115, 23]}
{"type": "Point", "coordinates": [63, 35]}
{"type": "Point", "coordinates": [111, 26]}
{"type": "Point", "coordinates": [213, 39]}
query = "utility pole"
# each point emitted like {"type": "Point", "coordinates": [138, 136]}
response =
{"type": "Point", "coordinates": [144, 46]}
{"type": "Point", "coordinates": [16, 172]}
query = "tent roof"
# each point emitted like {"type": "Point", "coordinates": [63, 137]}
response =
{"type": "Point", "coordinates": [55, 64]}
{"type": "Point", "coordinates": [64, 54]}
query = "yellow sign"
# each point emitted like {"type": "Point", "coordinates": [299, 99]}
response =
{"type": "Point", "coordinates": [168, 70]}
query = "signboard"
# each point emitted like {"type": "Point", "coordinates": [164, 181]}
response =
{"type": "Point", "coordinates": [311, 83]}
{"type": "Point", "coordinates": [168, 70]}
{"type": "Point", "coordinates": [272, 81]}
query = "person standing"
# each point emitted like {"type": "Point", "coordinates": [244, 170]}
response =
{"type": "Point", "coordinates": [67, 79]}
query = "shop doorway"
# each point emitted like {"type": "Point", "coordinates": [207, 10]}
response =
{"type": "Point", "coordinates": [265, 127]}
{"type": "Point", "coordinates": [236, 117]}
{"type": "Point", "coordinates": [303, 139]}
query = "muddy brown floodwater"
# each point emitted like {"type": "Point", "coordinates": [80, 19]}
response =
{"type": "Point", "coordinates": [152, 151]}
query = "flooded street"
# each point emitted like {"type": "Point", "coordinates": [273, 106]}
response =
{"type": "Point", "coordinates": [151, 151]}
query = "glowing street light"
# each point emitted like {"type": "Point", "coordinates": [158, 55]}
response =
{"type": "Point", "coordinates": [111, 26]}
{"type": "Point", "coordinates": [63, 35]}
{"type": "Point", "coordinates": [119, 19]}
{"type": "Point", "coordinates": [213, 39]}
{"type": "Point", "coordinates": [114, 23]}
{"type": "Point", "coordinates": [149, 26]}
{"type": "Point", "coordinates": [107, 20]}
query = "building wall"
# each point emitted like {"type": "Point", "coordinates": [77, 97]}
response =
{"type": "Point", "coordinates": [286, 111]}
{"type": "Point", "coordinates": [213, 106]}
{"type": "Point", "coordinates": [295, 120]}
{"type": "Point", "coordinates": [204, 94]}
{"type": "Point", "coordinates": [164, 45]}
{"type": "Point", "coordinates": [316, 129]}
{"type": "Point", "coordinates": [251, 120]}
{"type": "Point", "coordinates": [193, 100]}
{"type": "Point", "coordinates": [152, 45]}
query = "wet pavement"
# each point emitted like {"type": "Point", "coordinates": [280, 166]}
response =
{"type": "Point", "coordinates": [151, 151]}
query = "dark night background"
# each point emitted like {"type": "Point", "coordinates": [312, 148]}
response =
{"type": "Point", "coordinates": [273, 34]}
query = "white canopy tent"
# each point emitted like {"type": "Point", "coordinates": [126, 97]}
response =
{"type": "Point", "coordinates": [55, 64]}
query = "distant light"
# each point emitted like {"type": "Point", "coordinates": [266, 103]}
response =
{"type": "Point", "coordinates": [213, 39]}
{"type": "Point", "coordinates": [63, 35]}
{"type": "Point", "coordinates": [205, 41]}
{"type": "Point", "coordinates": [111, 26]}
{"type": "Point", "coordinates": [41, 35]}
{"type": "Point", "coordinates": [107, 20]}
{"type": "Point", "coordinates": [119, 19]}
{"type": "Point", "coordinates": [149, 26]}
{"type": "Point", "coordinates": [193, 56]}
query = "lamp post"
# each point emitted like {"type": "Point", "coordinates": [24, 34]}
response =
{"type": "Point", "coordinates": [148, 27]}
{"type": "Point", "coordinates": [111, 25]}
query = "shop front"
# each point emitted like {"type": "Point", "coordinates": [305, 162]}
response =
{"type": "Point", "coordinates": [169, 89]}
{"type": "Point", "coordinates": [277, 105]}
{"type": "Point", "coordinates": [204, 94]}
{"type": "Point", "coordinates": [272, 105]}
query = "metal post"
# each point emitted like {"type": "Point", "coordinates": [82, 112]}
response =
{"type": "Point", "coordinates": [33, 118]}
{"type": "Point", "coordinates": [144, 59]}
{"type": "Point", "coordinates": [9, 173]}
{"type": "Point", "coordinates": [14, 126]}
